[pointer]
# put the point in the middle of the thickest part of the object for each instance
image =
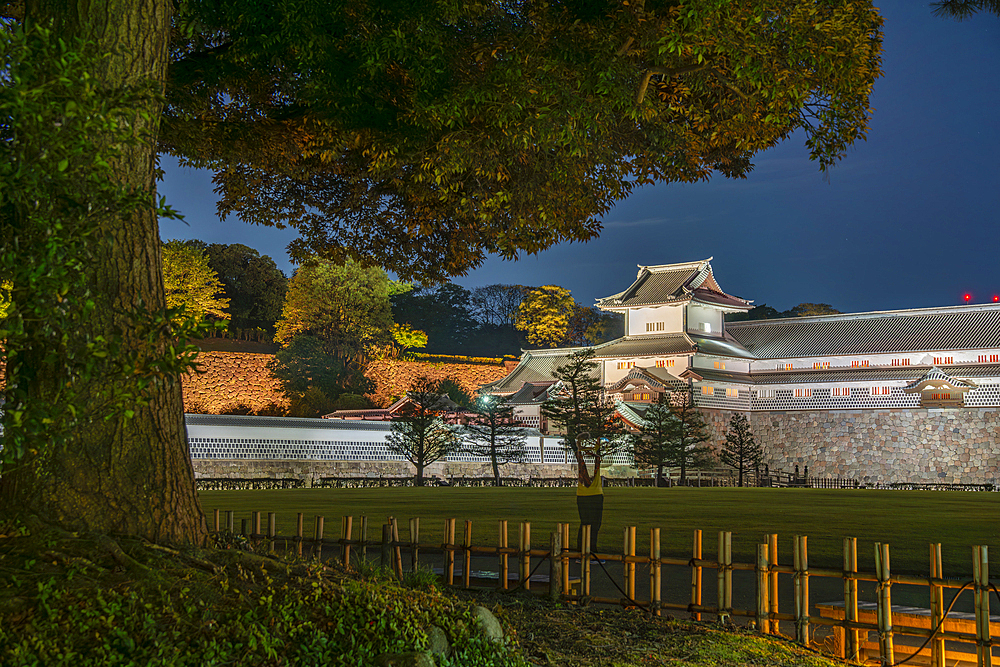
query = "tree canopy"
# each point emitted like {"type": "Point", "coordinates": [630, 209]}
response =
{"type": "Point", "coordinates": [254, 285]}
{"type": "Point", "coordinates": [345, 306]}
{"type": "Point", "coordinates": [191, 283]}
{"type": "Point", "coordinates": [425, 137]}
{"type": "Point", "coordinates": [545, 314]}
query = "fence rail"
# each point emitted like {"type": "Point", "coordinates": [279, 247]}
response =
{"type": "Point", "coordinates": [851, 620]}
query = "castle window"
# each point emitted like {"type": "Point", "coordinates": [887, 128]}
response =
{"type": "Point", "coordinates": [665, 363]}
{"type": "Point", "coordinates": [990, 358]}
{"type": "Point", "coordinates": [940, 397]}
{"type": "Point", "coordinates": [706, 390]}
{"type": "Point", "coordinates": [721, 365]}
{"type": "Point", "coordinates": [706, 327]}
{"type": "Point", "coordinates": [655, 326]}
{"type": "Point", "coordinates": [943, 360]}
{"type": "Point", "coordinates": [860, 364]}
{"type": "Point", "coordinates": [803, 393]}
{"type": "Point", "coordinates": [900, 362]}
{"type": "Point", "coordinates": [765, 393]}
{"type": "Point", "coordinates": [624, 365]}
{"type": "Point", "coordinates": [881, 391]}
{"type": "Point", "coordinates": [784, 367]}
{"type": "Point", "coordinates": [840, 391]}
{"type": "Point", "coordinates": [819, 365]}
{"type": "Point", "coordinates": [731, 392]}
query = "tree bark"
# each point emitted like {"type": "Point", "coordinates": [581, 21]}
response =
{"type": "Point", "coordinates": [118, 476]}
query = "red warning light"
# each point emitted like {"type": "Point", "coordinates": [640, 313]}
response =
{"type": "Point", "coordinates": [996, 298]}
{"type": "Point", "coordinates": [967, 297]}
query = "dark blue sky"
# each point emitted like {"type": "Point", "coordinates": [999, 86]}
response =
{"type": "Point", "coordinates": [908, 219]}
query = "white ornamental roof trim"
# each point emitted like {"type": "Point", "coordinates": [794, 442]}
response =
{"type": "Point", "coordinates": [936, 378]}
{"type": "Point", "coordinates": [672, 283]}
{"type": "Point", "coordinates": [653, 376]}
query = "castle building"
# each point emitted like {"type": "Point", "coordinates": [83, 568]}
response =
{"type": "Point", "coordinates": [888, 396]}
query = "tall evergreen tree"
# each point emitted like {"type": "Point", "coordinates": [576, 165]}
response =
{"type": "Point", "coordinates": [686, 432]}
{"type": "Point", "coordinates": [741, 451]}
{"type": "Point", "coordinates": [495, 434]}
{"type": "Point", "coordinates": [418, 433]}
{"type": "Point", "coordinates": [651, 447]}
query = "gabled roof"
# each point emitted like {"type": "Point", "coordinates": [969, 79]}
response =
{"type": "Point", "coordinates": [535, 366]}
{"type": "Point", "coordinates": [530, 393]}
{"type": "Point", "coordinates": [645, 346]}
{"type": "Point", "coordinates": [916, 330]}
{"type": "Point", "coordinates": [936, 378]}
{"type": "Point", "coordinates": [631, 413]}
{"type": "Point", "coordinates": [651, 376]}
{"type": "Point", "coordinates": [671, 283]}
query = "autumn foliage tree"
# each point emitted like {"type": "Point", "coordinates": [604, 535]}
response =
{"type": "Point", "coordinates": [422, 137]}
{"type": "Point", "coordinates": [190, 283]}
{"type": "Point", "coordinates": [545, 315]}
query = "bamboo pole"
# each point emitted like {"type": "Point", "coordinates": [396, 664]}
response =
{"type": "Point", "coordinates": [981, 597]}
{"type": "Point", "coordinates": [364, 537]}
{"type": "Point", "coordinates": [585, 560]}
{"type": "Point", "coordinates": [564, 533]}
{"type": "Point", "coordinates": [449, 547]}
{"type": "Point", "coordinates": [318, 536]}
{"type": "Point", "coordinates": [229, 521]}
{"type": "Point", "coordinates": [348, 526]}
{"type": "Point", "coordinates": [884, 609]}
{"type": "Point", "coordinates": [801, 575]}
{"type": "Point", "coordinates": [502, 544]}
{"type": "Point", "coordinates": [298, 534]}
{"type": "Point", "coordinates": [256, 526]}
{"type": "Point", "coordinates": [384, 558]}
{"type": "Point", "coordinates": [271, 521]}
{"type": "Point", "coordinates": [414, 541]}
{"type": "Point", "coordinates": [467, 563]}
{"type": "Point", "coordinates": [630, 567]}
{"type": "Point", "coordinates": [763, 589]}
{"type": "Point", "coordinates": [524, 546]}
{"type": "Point", "coordinates": [655, 581]}
{"type": "Point", "coordinates": [772, 559]}
{"type": "Point", "coordinates": [938, 653]}
{"type": "Point", "coordinates": [397, 554]}
{"type": "Point", "coordinates": [215, 521]}
{"type": "Point", "coordinates": [852, 641]}
{"type": "Point", "coordinates": [725, 575]}
{"type": "Point", "coordinates": [243, 527]}
{"type": "Point", "coordinates": [555, 564]}
{"type": "Point", "coordinates": [696, 576]}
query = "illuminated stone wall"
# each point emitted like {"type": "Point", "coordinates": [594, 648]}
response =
{"type": "Point", "coordinates": [929, 446]}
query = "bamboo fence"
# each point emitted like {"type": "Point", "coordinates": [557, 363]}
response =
{"type": "Point", "coordinates": [850, 621]}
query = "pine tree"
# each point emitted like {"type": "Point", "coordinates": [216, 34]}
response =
{"type": "Point", "coordinates": [684, 431]}
{"type": "Point", "coordinates": [651, 447]}
{"type": "Point", "coordinates": [495, 434]}
{"type": "Point", "coordinates": [418, 432]}
{"type": "Point", "coordinates": [741, 450]}
{"type": "Point", "coordinates": [578, 405]}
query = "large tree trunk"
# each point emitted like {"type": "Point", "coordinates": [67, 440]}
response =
{"type": "Point", "coordinates": [117, 476]}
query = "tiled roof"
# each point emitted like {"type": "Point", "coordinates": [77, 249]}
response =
{"type": "Point", "coordinates": [284, 422]}
{"type": "Point", "coordinates": [918, 330]}
{"type": "Point", "coordinates": [934, 377]}
{"type": "Point", "coordinates": [645, 346]}
{"type": "Point", "coordinates": [871, 374]}
{"type": "Point", "coordinates": [530, 393]}
{"type": "Point", "coordinates": [535, 366]}
{"type": "Point", "coordinates": [725, 347]}
{"type": "Point", "coordinates": [667, 283]}
{"type": "Point", "coordinates": [653, 376]}
{"type": "Point", "coordinates": [631, 413]}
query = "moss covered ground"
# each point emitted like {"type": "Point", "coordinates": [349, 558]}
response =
{"type": "Point", "coordinates": [87, 600]}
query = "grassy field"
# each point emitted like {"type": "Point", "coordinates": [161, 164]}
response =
{"type": "Point", "coordinates": [907, 520]}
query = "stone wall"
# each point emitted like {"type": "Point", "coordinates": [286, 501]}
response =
{"type": "Point", "coordinates": [920, 446]}
{"type": "Point", "coordinates": [230, 378]}
{"type": "Point", "coordinates": [311, 471]}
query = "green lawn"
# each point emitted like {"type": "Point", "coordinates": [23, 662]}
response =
{"type": "Point", "coordinates": [907, 520]}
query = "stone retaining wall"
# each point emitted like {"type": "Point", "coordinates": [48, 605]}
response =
{"type": "Point", "coordinates": [919, 446]}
